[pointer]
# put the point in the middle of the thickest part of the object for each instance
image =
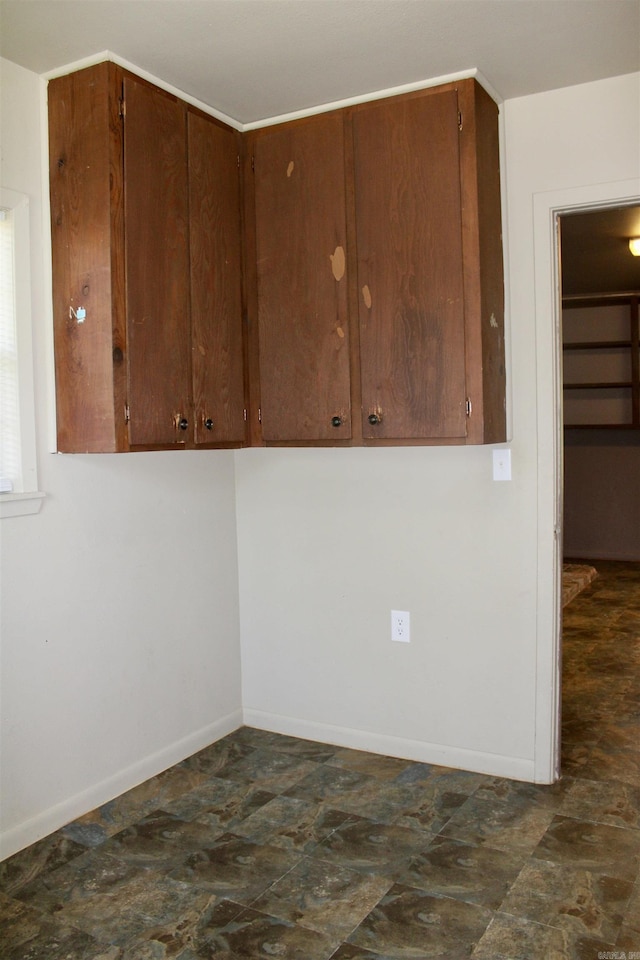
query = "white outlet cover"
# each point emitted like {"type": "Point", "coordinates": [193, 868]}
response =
{"type": "Point", "coordinates": [401, 626]}
{"type": "Point", "coordinates": [502, 464]}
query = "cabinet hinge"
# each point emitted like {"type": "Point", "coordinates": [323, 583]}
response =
{"type": "Point", "coordinates": [123, 108]}
{"type": "Point", "coordinates": [468, 406]}
{"type": "Point", "coordinates": [253, 164]}
{"type": "Point", "coordinates": [127, 414]}
{"type": "Point", "coordinates": [459, 120]}
{"type": "Point", "coordinates": [238, 161]}
{"type": "Point", "coordinates": [244, 414]}
{"type": "Point", "coordinates": [259, 415]}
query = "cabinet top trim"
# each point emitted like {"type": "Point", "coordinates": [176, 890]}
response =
{"type": "Point", "coordinates": [103, 55]}
{"type": "Point", "coordinates": [417, 87]}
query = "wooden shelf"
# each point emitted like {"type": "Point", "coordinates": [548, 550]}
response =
{"type": "Point", "coordinates": [602, 362]}
{"type": "Point", "coordinates": [600, 426]}
{"type": "Point", "coordinates": [591, 385]}
{"type": "Point", "coordinates": [598, 345]}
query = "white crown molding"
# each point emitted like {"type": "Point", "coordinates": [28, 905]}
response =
{"type": "Point", "coordinates": [145, 75]}
{"type": "Point", "coordinates": [376, 95]}
{"type": "Point", "coordinates": [282, 118]}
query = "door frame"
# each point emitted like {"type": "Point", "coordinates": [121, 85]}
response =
{"type": "Point", "coordinates": [548, 207]}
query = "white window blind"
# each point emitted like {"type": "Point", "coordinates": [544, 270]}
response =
{"type": "Point", "coordinates": [10, 462]}
{"type": "Point", "coordinates": [19, 494]}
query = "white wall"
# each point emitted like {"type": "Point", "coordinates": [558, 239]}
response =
{"type": "Point", "coordinates": [330, 541]}
{"type": "Point", "coordinates": [120, 630]}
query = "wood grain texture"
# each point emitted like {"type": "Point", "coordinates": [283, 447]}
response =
{"type": "Point", "coordinates": [84, 143]}
{"type": "Point", "coordinates": [250, 295]}
{"type": "Point", "coordinates": [157, 265]}
{"type": "Point", "coordinates": [411, 296]}
{"type": "Point", "coordinates": [482, 262]}
{"type": "Point", "coordinates": [206, 296]}
{"type": "Point", "coordinates": [302, 280]}
{"type": "Point", "coordinates": [216, 274]}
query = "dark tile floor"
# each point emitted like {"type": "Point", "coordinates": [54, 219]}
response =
{"type": "Point", "coordinates": [264, 846]}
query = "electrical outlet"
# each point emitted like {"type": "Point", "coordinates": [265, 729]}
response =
{"type": "Point", "coordinates": [400, 626]}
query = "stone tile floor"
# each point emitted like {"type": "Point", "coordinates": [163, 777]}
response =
{"type": "Point", "coordinates": [265, 846]}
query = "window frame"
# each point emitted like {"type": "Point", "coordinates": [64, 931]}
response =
{"type": "Point", "coordinates": [28, 499]}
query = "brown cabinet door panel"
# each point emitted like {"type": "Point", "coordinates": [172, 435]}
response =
{"type": "Point", "coordinates": [81, 231]}
{"type": "Point", "coordinates": [410, 280]}
{"type": "Point", "coordinates": [302, 283]}
{"type": "Point", "coordinates": [216, 274]}
{"type": "Point", "coordinates": [157, 266]}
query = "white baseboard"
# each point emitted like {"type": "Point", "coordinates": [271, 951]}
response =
{"type": "Point", "coordinates": [51, 819]}
{"type": "Point", "coordinates": [514, 768]}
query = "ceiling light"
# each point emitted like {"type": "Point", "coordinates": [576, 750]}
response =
{"type": "Point", "coordinates": [634, 246]}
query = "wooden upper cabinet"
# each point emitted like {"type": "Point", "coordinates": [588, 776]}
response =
{"type": "Point", "coordinates": [372, 255]}
{"type": "Point", "coordinates": [379, 272]}
{"type": "Point", "coordinates": [147, 274]}
{"type": "Point", "coordinates": [410, 277]}
{"type": "Point", "coordinates": [301, 240]}
{"type": "Point", "coordinates": [216, 275]}
{"type": "Point", "coordinates": [156, 217]}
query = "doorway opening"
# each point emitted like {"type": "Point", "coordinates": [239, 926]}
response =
{"type": "Point", "coordinates": [599, 432]}
{"type": "Point", "coordinates": [600, 287]}
{"type": "Point", "coordinates": [548, 209]}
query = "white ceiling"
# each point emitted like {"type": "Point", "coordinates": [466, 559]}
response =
{"type": "Point", "coordinates": [256, 59]}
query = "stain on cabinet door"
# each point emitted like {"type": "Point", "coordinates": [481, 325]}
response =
{"type": "Point", "coordinates": [302, 281]}
{"type": "Point", "coordinates": [410, 275]}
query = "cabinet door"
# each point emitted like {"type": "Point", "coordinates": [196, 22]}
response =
{"type": "Point", "coordinates": [410, 278]}
{"type": "Point", "coordinates": [302, 283]}
{"type": "Point", "coordinates": [85, 175]}
{"type": "Point", "coordinates": [216, 278]}
{"type": "Point", "coordinates": [157, 266]}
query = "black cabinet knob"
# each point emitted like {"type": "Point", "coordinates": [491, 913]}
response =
{"type": "Point", "coordinates": [209, 423]}
{"type": "Point", "coordinates": [374, 418]}
{"type": "Point", "coordinates": [183, 423]}
{"type": "Point", "coordinates": [336, 421]}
